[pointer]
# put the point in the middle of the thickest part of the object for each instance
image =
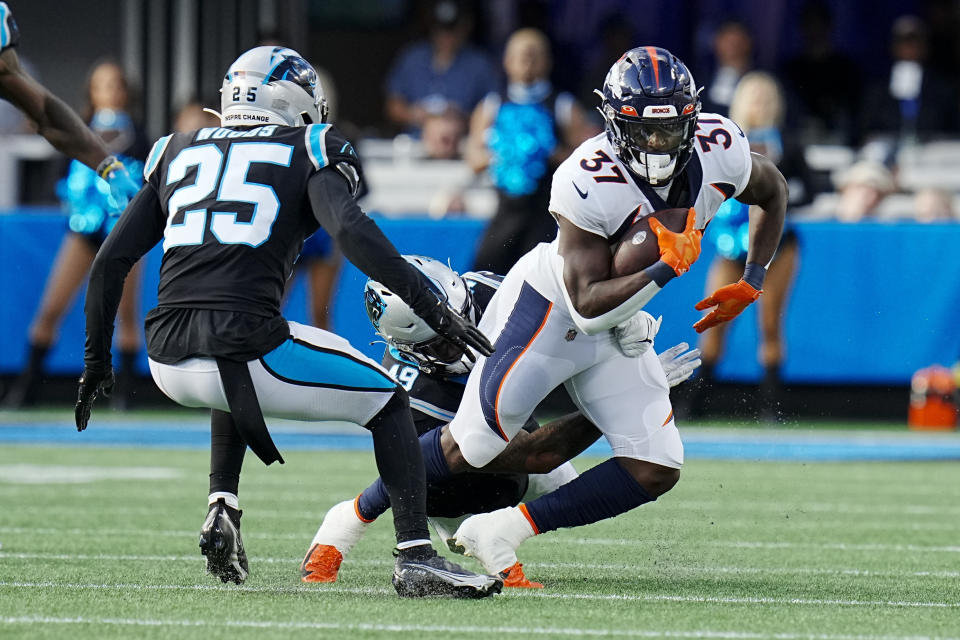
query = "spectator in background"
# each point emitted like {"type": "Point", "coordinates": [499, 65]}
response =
{"type": "Point", "coordinates": [758, 107]}
{"type": "Point", "coordinates": [934, 205]}
{"type": "Point", "coordinates": [733, 57]}
{"type": "Point", "coordinates": [444, 75]}
{"type": "Point", "coordinates": [191, 117]}
{"type": "Point", "coordinates": [862, 188]}
{"type": "Point", "coordinates": [88, 202]}
{"type": "Point", "coordinates": [520, 136]}
{"type": "Point", "coordinates": [913, 101]}
{"type": "Point", "coordinates": [442, 134]}
{"type": "Point", "coordinates": [824, 82]}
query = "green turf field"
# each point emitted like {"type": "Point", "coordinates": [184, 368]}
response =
{"type": "Point", "coordinates": [106, 547]}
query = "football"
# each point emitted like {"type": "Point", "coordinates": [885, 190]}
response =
{"type": "Point", "coordinates": [638, 248]}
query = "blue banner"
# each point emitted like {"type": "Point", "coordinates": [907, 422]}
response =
{"type": "Point", "coordinates": [872, 302]}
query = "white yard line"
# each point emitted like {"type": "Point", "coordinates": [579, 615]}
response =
{"type": "Point", "coordinates": [589, 566]}
{"type": "Point", "coordinates": [522, 593]}
{"type": "Point", "coordinates": [833, 546]}
{"type": "Point", "coordinates": [466, 629]}
{"type": "Point", "coordinates": [622, 542]}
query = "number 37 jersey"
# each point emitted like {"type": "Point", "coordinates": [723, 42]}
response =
{"type": "Point", "coordinates": [595, 191]}
{"type": "Point", "coordinates": [237, 210]}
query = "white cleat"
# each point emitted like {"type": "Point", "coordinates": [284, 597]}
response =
{"type": "Point", "coordinates": [493, 538]}
{"type": "Point", "coordinates": [342, 527]}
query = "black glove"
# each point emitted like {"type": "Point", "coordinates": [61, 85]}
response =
{"type": "Point", "coordinates": [92, 384]}
{"type": "Point", "coordinates": [457, 329]}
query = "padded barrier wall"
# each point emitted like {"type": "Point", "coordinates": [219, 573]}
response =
{"type": "Point", "coordinates": [872, 302]}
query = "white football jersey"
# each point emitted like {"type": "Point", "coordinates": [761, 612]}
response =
{"type": "Point", "coordinates": [595, 191]}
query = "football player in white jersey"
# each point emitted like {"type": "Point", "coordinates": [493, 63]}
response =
{"type": "Point", "coordinates": [559, 317]}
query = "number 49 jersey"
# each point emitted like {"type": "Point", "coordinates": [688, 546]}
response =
{"type": "Point", "coordinates": [237, 210]}
{"type": "Point", "coordinates": [595, 191]}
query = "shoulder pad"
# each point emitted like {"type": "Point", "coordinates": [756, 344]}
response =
{"type": "Point", "coordinates": [153, 158]}
{"type": "Point", "coordinates": [326, 146]}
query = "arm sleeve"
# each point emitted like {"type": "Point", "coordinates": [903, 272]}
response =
{"type": "Point", "coordinates": [364, 244]}
{"type": "Point", "coordinates": [137, 231]}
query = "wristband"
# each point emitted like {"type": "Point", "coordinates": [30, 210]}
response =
{"type": "Point", "coordinates": [661, 273]}
{"type": "Point", "coordinates": [108, 165]}
{"type": "Point", "coordinates": [754, 274]}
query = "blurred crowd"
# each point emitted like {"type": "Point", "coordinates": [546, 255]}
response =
{"type": "Point", "coordinates": [852, 146]}
{"type": "Point", "coordinates": [476, 125]}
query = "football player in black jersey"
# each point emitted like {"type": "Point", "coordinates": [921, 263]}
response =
{"type": "Point", "coordinates": [434, 373]}
{"type": "Point", "coordinates": [54, 120]}
{"type": "Point", "coordinates": [233, 205]}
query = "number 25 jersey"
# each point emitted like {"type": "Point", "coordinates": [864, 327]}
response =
{"type": "Point", "coordinates": [594, 190]}
{"type": "Point", "coordinates": [237, 211]}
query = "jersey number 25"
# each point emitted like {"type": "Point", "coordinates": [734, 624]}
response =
{"type": "Point", "coordinates": [231, 187]}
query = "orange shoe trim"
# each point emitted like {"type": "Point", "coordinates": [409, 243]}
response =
{"type": "Point", "coordinates": [324, 569]}
{"type": "Point", "coordinates": [526, 514]}
{"type": "Point", "coordinates": [515, 578]}
{"type": "Point", "coordinates": [356, 510]}
{"type": "Point", "coordinates": [669, 418]}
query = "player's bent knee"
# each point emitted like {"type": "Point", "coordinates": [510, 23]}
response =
{"type": "Point", "coordinates": [655, 478]}
{"type": "Point", "coordinates": [399, 401]}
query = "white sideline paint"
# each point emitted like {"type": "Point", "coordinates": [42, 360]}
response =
{"type": "Point", "coordinates": [590, 566]}
{"type": "Point", "coordinates": [819, 602]}
{"type": "Point", "coordinates": [59, 474]}
{"type": "Point", "coordinates": [835, 546]}
{"type": "Point", "coordinates": [485, 630]}
{"type": "Point", "coordinates": [617, 542]}
{"type": "Point", "coordinates": [797, 521]}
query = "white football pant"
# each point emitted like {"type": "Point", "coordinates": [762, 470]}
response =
{"type": "Point", "coordinates": [314, 376]}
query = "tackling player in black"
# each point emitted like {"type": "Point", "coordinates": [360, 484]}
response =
{"type": "Point", "coordinates": [434, 373]}
{"type": "Point", "coordinates": [54, 120]}
{"type": "Point", "coordinates": [233, 205]}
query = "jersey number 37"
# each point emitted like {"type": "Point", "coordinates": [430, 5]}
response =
{"type": "Point", "coordinates": [232, 186]}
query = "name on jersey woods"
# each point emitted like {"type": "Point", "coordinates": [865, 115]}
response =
{"type": "Point", "coordinates": [217, 133]}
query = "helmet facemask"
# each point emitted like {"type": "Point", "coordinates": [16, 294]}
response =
{"type": "Point", "coordinates": [655, 149]}
{"type": "Point", "coordinates": [417, 342]}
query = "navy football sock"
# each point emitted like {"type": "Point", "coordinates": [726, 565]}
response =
{"type": "Point", "coordinates": [605, 491]}
{"type": "Point", "coordinates": [433, 461]}
{"type": "Point", "coordinates": [375, 499]}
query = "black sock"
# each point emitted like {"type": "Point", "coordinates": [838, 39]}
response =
{"type": "Point", "coordinates": [770, 393]}
{"type": "Point", "coordinates": [226, 453]}
{"type": "Point", "coordinates": [400, 464]}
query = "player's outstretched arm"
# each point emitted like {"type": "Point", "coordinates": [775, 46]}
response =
{"type": "Point", "coordinates": [597, 301]}
{"type": "Point", "coordinates": [767, 189]}
{"type": "Point", "coordinates": [55, 121]}
{"type": "Point", "coordinates": [134, 235]}
{"type": "Point", "coordinates": [364, 244]}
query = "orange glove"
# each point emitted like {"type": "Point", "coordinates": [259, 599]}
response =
{"type": "Point", "coordinates": [729, 302]}
{"type": "Point", "coordinates": [679, 250]}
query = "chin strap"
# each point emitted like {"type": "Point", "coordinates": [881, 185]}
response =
{"type": "Point", "coordinates": [212, 112]}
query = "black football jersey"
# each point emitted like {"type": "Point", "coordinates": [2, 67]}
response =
{"type": "Point", "coordinates": [9, 33]}
{"type": "Point", "coordinates": [237, 212]}
{"type": "Point", "coordinates": [434, 398]}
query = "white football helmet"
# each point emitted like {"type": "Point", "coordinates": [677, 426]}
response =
{"type": "Point", "coordinates": [404, 330]}
{"type": "Point", "coordinates": [271, 85]}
